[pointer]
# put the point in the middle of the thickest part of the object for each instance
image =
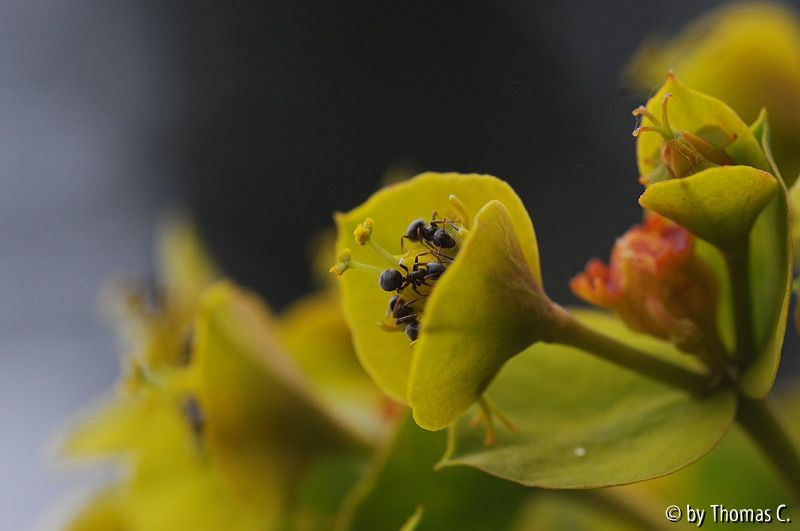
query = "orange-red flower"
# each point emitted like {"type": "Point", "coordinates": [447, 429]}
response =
{"type": "Point", "coordinates": [656, 283]}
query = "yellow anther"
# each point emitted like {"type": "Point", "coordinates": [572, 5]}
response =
{"type": "Point", "coordinates": [363, 231]}
{"type": "Point", "coordinates": [363, 234]}
{"type": "Point", "coordinates": [342, 264]}
{"type": "Point", "coordinates": [339, 269]}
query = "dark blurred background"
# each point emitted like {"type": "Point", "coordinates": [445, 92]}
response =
{"type": "Point", "coordinates": [260, 119]}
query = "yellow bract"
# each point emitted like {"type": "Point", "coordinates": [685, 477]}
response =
{"type": "Point", "coordinates": [314, 333]}
{"type": "Point", "coordinates": [106, 512]}
{"type": "Point", "coordinates": [263, 419]}
{"type": "Point", "coordinates": [470, 333]}
{"type": "Point", "coordinates": [703, 116]}
{"type": "Point", "coordinates": [218, 431]}
{"type": "Point", "coordinates": [482, 311]}
{"type": "Point", "coordinates": [746, 54]}
{"type": "Point", "coordinates": [718, 205]}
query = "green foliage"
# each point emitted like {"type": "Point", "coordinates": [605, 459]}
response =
{"type": "Point", "coordinates": [402, 479]}
{"type": "Point", "coordinates": [582, 422]}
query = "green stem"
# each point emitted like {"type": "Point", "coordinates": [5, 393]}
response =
{"type": "Point", "coordinates": [574, 333]}
{"type": "Point", "coordinates": [762, 423]}
{"type": "Point", "coordinates": [738, 262]}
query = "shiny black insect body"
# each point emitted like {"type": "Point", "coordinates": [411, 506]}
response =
{"type": "Point", "coordinates": [391, 280]}
{"type": "Point", "coordinates": [420, 274]}
{"type": "Point", "coordinates": [429, 235]}
{"type": "Point", "coordinates": [405, 316]}
{"type": "Point", "coordinates": [412, 330]}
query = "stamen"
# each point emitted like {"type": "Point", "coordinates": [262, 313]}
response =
{"type": "Point", "coordinates": [344, 262]}
{"type": "Point", "coordinates": [641, 110]}
{"type": "Point", "coordinates": [363, 235]}
{"type": "Point", "coordinates": [462, 210]}
{"type": "Point", "coordinates": [510, 426]}
{"type": "Point", "coordinates": [661, 127]}
{"type": "Point", "coordinates": [363, 231]}
{"type": "Point", "coordinates": [664, 104]}
{"type": "Point", "coordinates": [486, 413]}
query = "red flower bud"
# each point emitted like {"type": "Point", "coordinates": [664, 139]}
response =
{"type": "Point", "coordinates": [656, 284]}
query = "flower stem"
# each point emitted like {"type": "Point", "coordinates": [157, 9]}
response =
{"type": "Point", "coordinates": [762, 423]}
{"type": "Point", "coordinates": [738, 262]}
{"type": "Point", "coordinates": [576, 334]}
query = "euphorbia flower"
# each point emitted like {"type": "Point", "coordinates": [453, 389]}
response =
{"type": "Point", "coordinates": [483, 304]}
{"type": "Point", "coordinates": [221, 439]}
{"type": "Point", "coordinates": [747, 54]}
{"type": "Point", "coordinates": [702, 165]}
{"type": "Point", "coordinates": [739, 208]}
{"type": "Point", "coordinates": [656, 283]}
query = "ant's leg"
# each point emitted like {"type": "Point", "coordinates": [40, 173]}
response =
{"type": "Point", "coordinates": [417, 265]}
{"type": "Point", "coordinates": [437, 253]}
{"type": "Point", "coordinates": [412, 301]}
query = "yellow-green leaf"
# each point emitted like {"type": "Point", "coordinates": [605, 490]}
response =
{"type": "Point", "coordinates": [770, 282]}
{"type": "Point", "coordinates": [582, 422]}
{"type": "Point", "coordinates": [184, 264]}
{"type": "Point", "coordinates": [719, 204]}
{"type": "Point", "coordinates": [314, 333]}
{"type": "Point", "coordinates": [262, 422]}
{"type": "Point", "coordinates": [194, 498]}
{"type": "Point", "coordinates": [103, 513]}
{"type": "Point", "coordinates": [487, 308]}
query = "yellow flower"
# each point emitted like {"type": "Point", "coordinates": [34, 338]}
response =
{"type": "Point", "coordinates": [747, 54]}
{"type": "Point", "coordinates": [683, 141]}
{"type": "Point", "coordinates": [222, 439]}
{"type": "Point", "coordinates": [452, 261]}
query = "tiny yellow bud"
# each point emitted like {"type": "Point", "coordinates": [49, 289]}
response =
{"type": "Point", "coordinates": [342, 262]}
{"type": "Point", "coordinates": [343, 256]}
{"type": "Point", "coordinates": [339, 269]}
{"type": "Point", "coordinates": [363, 231]}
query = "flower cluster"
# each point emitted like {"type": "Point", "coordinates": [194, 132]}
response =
{"type": "Point", "coordinates": [435, 315]}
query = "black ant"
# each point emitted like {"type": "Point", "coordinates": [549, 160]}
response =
{"type": "Point", "coordinates": [405, 316]}
{"type": "Point", "coordinates": [429, 235]}
{"type": "Point", "coordinates": [394, 280]}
